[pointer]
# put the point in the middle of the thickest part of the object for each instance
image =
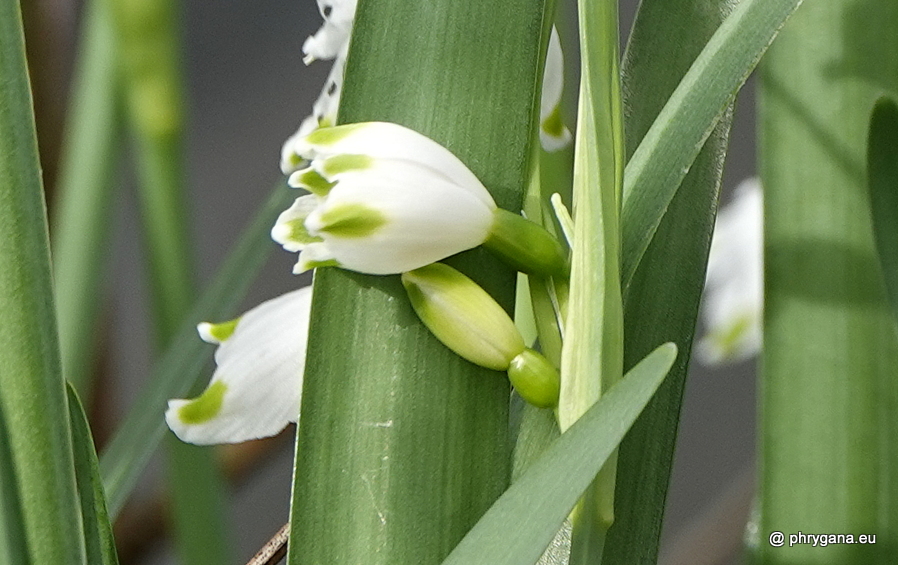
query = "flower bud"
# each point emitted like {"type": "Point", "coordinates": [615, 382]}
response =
{"type": "Point", "coordinates": [467, 320]}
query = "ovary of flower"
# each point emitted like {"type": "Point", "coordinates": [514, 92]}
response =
{"type": "Point", "coordinates": [733, 301]}
{"type": "Point", "coordinates": [386, 199]}
{"type": "Point", "coordinates": [256, 388]}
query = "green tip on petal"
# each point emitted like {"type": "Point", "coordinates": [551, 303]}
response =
{"type": "Point", "coordinates": [326, 136]}
{"type": "Point", "coordinates": [463, 316]}
{"type": "Point", "coordinates": [204, 407]}
{"type": "Point", "coordinates": [535, 379]}
{"type": "Point", "coordinates": [310, 180]}
{"type": "Point", "coordinates": [350, 221]}
{"type": "Point", "coordinates": [217, 333]}
{"type": "Point", "coordinates": [333, 166]}
{"type": "Point", "coordinates": [553, 125]}
{"type": "Point", "coordinates": [526, 246]}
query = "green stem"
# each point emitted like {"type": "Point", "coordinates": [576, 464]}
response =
{"type": "Point", "coordinates": [86, 188]}
{"type": "Point", "coordinates": [592, 356]}
{"type": "Point", "coordinates": [32, 394]}
{"type": "Point", "coordinates": [829, 397]}
{"type": "Point", "coordinates": [151, 44]}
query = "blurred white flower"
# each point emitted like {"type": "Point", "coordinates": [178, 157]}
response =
{"type": "Point", "coordinates": [553, 134]}
{"type": "Point", "coordinates": [256, 388]}
{"type": "Point", "coordinates": [732, 305]}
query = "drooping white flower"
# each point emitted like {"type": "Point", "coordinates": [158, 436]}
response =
{"type": "Point", "coordinates": [553, 134]}
{"type": "Point", "coordinates": [732, 305]}
{"type": "Point", "coordinates": [256, 388]}
{"type": "Point", "coordinates": [386, 199]}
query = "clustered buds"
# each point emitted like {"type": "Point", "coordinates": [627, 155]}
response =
{"type": "Point", "coordinates": [469, 322]}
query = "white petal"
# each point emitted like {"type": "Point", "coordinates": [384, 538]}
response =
{"type": "Point", "coordinates": [313, 255]}
{"type": "Point", "coordinates": [382, 140]}
{"type": "Point", "coordinates": [428, 218]}
{"type": "Point", "coordinates": [733, 301]}
{"type": "Point", "coordinates": [334, 33]}
{"type": "Point", "coordinates": [550, 137]}
{"type": "Point", "coordinates": [290, 161]}
{"type": "Point", "coordinates": [289, 229]}
{"type": "Point", "coordinates": [258, 377]}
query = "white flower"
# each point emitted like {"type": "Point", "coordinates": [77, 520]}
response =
{"type": "Point", "coordinates": [553, 134]}
{"type": "Point", "coordinates": [385, 200]}
{"type": "Point", "coordinates": [257, 385]}
{"type": "Point", "coordinates": [733, 301]}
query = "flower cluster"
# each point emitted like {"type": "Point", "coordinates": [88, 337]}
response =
{"type": "Point", "coordinates": [383, 199]}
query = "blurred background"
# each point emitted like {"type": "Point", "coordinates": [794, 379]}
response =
{"type": "Point", "coordinates": [247, 91]}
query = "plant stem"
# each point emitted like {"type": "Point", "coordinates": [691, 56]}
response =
{"type": "Point", "coordinates": [150, 43]}
{"type": "Point", "coordinates": [86, 188]}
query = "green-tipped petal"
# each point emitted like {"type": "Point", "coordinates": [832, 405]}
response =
{"type": "Point", "coordinates": [309, 179]}
{"type": "Point", "coordinates": [463, 316]}
{"type": "Point", "coordinates": [216, 333]}
{"type": "Point", "coordinates": [290, 230]}
{"type": "Point", "coordinates": [256, 388]}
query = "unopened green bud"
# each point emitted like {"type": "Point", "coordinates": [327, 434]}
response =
{"type": "Point", "coordinates": [463, 316]}
{"type": "Point", "coordinates": [526, 246]}
{"type": "Point", "coordinates": [535, 379]}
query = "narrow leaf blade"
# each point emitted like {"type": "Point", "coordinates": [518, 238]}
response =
{"type": "Point", "coordinates": [882, 171]}
{"type": "Point", "coordinates": [529, 514]}
{"type": "Point", "coordinates": [98, 539]}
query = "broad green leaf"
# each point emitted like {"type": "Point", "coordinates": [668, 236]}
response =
{"type": "Point", "coordinates": [519, 526]}
{"type": "Point", "coordinates": [663, 297]}
{"type": "Point", "coordinates": [829, 387]}
{"type": "Point", "coordinates": [98, 539]}
{"type": "Point", "coordinates": [670, 146]}
{"type": "Point", "coordinates": [13, 546]}
{"type": "Point", "coordinates": [429, 430]}
{"type": "Point", "coordinates": [32, 394]}
{"type": "Point", "coordinates": [180, 369]}
{"type": "Point", "coordinates": [882, 171]}
{"type": "Point", "coordinates": [81, 222]}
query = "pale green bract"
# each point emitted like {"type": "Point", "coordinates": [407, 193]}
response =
{"type": "Point", "coordinates": [256, 388]}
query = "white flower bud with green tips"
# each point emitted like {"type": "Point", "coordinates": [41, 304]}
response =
{"type": "Point", "coordinates": [467, 320]}
{"type": "Point", "coordinates": [553, 134]}
{"type": "Point", "coordinates": [734, 292]}
{"type": "Point", "coordinates": [256, 388]}
{"type": "Point", "coordinates": [386, 199]}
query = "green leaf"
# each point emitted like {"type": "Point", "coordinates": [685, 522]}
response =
{"type": "Point", "coordinates": [662, 300]}
{"type": "Point", "coordinates": [98, 538]}
{"type": "Point", "coordinates": [519, 526]}
{"type": "Point", "coordinates": [882, 171]}
{"type": "Point", "coordinates": [85, 193]}
{"type": "Point", "coordinates": [375, 378]}
{"type": "Point", "coordinates": [13, 544]}
{"type": "Point", "coordinates": [180, 368]}
{"type": "Point", "coordinates": [670, 146]}
{"type": "Point", "coordinates": [829, 386]}
{"type": "Point", "coordinates": [32, 395]}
